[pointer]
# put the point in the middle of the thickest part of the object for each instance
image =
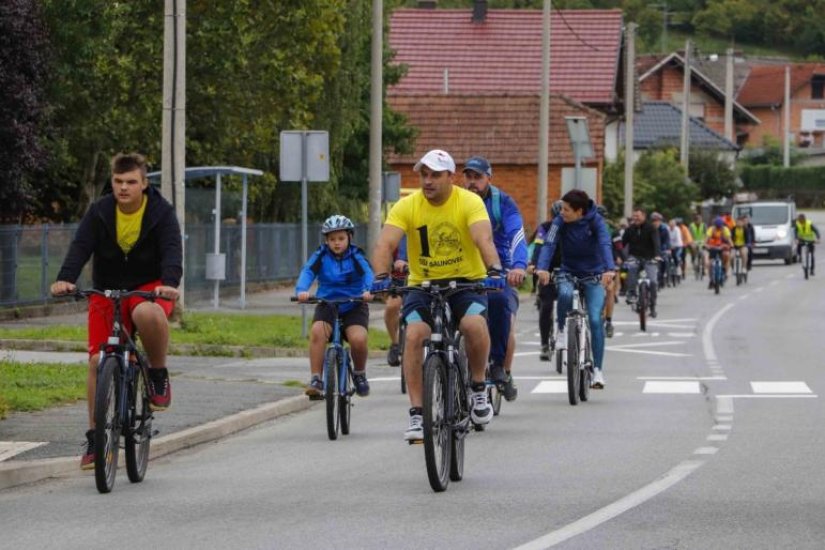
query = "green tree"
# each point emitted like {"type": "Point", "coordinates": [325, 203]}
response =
{"type": "Point", "coordinates": [713, 174]}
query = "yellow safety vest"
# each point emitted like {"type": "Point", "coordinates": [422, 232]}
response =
{"type": "Point", "coordinates": [806, 232]}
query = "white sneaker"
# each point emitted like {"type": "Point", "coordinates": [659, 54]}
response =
{"type": "Point", "coordinates": [481, 412]}
{"type": "Point", "coordinates": [416, 430]}
{"type": "Point", "coordinates": [598, 380]}
{"type": "Point", "coordinates": [561, 339]}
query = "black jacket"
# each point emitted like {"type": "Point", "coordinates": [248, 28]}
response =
{"type": "Point", "coordinates": [157, 254]}
{"type": "Point", "coordinates": [642, 241]}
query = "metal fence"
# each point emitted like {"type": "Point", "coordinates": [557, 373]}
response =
{"type": "Point", "coordinates": [31, 256]}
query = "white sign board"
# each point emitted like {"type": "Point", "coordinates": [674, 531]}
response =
{"type": "Point", "coordinates": [292, 155]}
{"type": "Point", "coordinates": [588, 181]}
{"type": "Point", "coordinates": [813, 120]}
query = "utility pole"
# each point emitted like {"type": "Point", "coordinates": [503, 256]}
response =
{"type": "Point", "coordinates": [729, 96]}
{"type": "Point", "coordinates": [544, 116]}
{"type": "Point", "coordinates": [786, 112]}
{"type": "Point", "coordinates": [376, 119]}
{"type": "Point", "coordinates": [629, 115]}
{"type": "Point", "coordinates": [685, 148]}
{"type": "Point", "coordinates": [173, 156]}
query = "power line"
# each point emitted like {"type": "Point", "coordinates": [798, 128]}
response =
{"type": "Point", "coordinates": [577, 35]}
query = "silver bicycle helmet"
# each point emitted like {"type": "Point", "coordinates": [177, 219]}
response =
{"type": "Point", "coordinates": [556, 208]}
{"type": "Point", "coordinates": [337, 222]}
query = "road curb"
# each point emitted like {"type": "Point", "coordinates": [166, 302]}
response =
{"type": "Point", "coordinates": [21, 472]}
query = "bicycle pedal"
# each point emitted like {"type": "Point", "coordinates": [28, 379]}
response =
{"type": "Point", "coordinates": [416, 442]}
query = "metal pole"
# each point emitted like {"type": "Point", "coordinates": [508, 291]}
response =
{"type": "Point", "coordinates": [729, 95]}
{"type": "Point", "coordinates": [544, 116]}
{"type": "Point", "coordinates": [629, 117]}
{"type": "Point", "coordinates": [786, 112]}
{"type": "Point", "coordinates": [577, 174]}
{"type": "Point", "coordinates": [304, 215]}
{"type": "Point", "coordinates": [216, 292]}
{"type": "Point", "coordinates": [376, 115]}
{"type": "Point", "coordinates": [243, 245]}
{"type": "Point", "coordinates": [685, 148]}
{"type": "Point", "coordinates": [44, 263]}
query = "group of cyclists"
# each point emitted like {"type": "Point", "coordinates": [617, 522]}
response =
{"type": "Point", "coordinates": [450, 229]}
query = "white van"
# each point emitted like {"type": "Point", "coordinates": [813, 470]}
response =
{"type": "Point", "coordinates": [773, 224]}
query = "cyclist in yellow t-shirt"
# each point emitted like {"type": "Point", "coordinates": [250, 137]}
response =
{"type": "Point", "coordinates": [449, 236]}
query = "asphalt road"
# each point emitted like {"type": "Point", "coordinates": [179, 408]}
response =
{"type": "Point", "coordinates": [706, 436]}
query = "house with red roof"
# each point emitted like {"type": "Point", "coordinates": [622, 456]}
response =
{"type": "Point", "coordinates": [473, 85]}
{"type": "Point", "coordinates": [763, 93]}
{"type": "Point", "coordinates": [661, 78]}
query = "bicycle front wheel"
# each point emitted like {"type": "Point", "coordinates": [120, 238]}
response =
{"type": "Point", "coordinates": [573, 366]}
{"type": "Point", "coordinates": [462, 411]}
{"type": "Point", "coordinates": [331, 360]}
{"type": "Point", "coordinates": [644, 298]}
{"type": "Point", "coordinates": [345, 396]}
{"type": "Point", "coordinates": [437, 431]}
{"type": "Point", "coordinates": [586, 374]}
{"type": "Point", "coordinates": [107, 424]}
{"type": "Point", "coordinates": [139, 430]}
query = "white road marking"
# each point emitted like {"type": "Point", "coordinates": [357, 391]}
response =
{"type": "Point", "coordinates": [671, 387]}
{"type": "Point", "coordinates": [722, 427]}
{"type": "Point", "coordinates": [697, 378]}
{"type": "Point", "coordinates": [707, 335]}
{"type": "Point", "coordinates": [706, 451]}
{"type": "Point", "coordinates": [646, 335]}
{"type": "Point", "coordinates": [9, 449]}
{"type": "Point", "coordinates": [681, 334]}
{"type": "Point", "coordinates": [717, 437]}
{"type": "Point", "coordinates": [724, 418]}
{"type": "Point", "coordinates": [780, 387]}
{"type": "Point", "coordinates": [674, 476]}
{"type": "Point", "coordinates": [724, 405]}
{"type": "Point", "coordinates": [769, 396]}
{"type": "Point", "coordinates": [551, 386]}
{"type": "Point", "coordinates": [647, 352]}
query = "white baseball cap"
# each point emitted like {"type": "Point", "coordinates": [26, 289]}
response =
{"type": "Point", "coordinates": [437, 160]}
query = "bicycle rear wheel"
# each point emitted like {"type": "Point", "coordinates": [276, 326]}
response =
{"type": "Point", "coordinates": [437, 431]}
{"type": "Point", "coordinates": [139, 431]}
{"type": "Point", "coordinates": [345, 395]}
{"type": "Point", "coordinates": [573, 377]}
{"type": "Point", "coordinates": [107, 424]}
{"type": "Point", "coordinates": [331, 391]}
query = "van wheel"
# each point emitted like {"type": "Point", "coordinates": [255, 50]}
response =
{"type": "Point", "coordinates": [788, 261]}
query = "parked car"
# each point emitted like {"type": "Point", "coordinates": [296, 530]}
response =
{"type": "Point", "coordinates": [773, 225]}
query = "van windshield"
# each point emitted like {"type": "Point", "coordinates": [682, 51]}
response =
{"type": "Point", "coordinates": [765, 214]}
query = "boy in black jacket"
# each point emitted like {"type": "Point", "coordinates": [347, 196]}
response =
{"type": "Point", "coordinates": [135, 239]}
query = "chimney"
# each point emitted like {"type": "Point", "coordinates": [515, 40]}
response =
{"type": "Point", "coordinates": [427, 4]}
{"type": "Point", "coordinates": [479, 11]}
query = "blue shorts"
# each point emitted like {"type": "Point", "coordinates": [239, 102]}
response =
{"type": "Point", "coordinates": [467, 302]}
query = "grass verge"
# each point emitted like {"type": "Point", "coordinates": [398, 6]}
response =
{"type": "Point", "coordinates": [277, 331]}
{"type": "Point", "coordinates": [36, 386]}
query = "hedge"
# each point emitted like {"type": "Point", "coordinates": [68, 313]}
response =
{"type": "Point", "coordinates": [805, 183]}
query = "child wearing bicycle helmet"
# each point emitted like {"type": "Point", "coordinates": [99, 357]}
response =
{"type": "Point", "coordinates": [342, 272]}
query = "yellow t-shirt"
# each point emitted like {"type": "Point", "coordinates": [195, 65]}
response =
{"type": "Point", "coordinates": [439, 245]}
{"type": "Point", "coordinates": [738, 235]}
{"type": "Point", "coordinates": [128, 226]}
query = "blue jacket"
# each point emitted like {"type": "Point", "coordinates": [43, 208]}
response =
{"type": "Point", "coordinates": [664, 237]}
{"type": "Point", "coordinates": [508, 231]}
{"type": "Point", "coordinates": [347, 276]}
{"type": "Point", "coordinates": [586, 245]}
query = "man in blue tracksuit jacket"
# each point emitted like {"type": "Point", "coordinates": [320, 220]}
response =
{"type": "Point", "coordinates": [508, 236]}
{"type": "Point", "coordinates": [586, 253]}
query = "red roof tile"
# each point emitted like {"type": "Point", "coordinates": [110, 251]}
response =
{"type": "Point", "coordinates": [765, 85]}
{"type": "Point", "coordinates": [505, 129]}
{"type": "Point", "coordinates": [502, 55]}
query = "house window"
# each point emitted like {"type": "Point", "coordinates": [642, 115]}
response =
{"type": "Point", "coordinates": [818, 87]}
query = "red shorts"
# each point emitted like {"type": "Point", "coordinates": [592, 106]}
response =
{"type": "Point", "coordinates": [101, 314]}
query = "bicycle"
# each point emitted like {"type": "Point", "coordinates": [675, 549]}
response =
{"type": "Point", "coordinates": [447, 397]}
{"type": "Point", "coordinates": [673, 270]}
{"type": "Point", "coordinates": [739, 269]}
{"type": "Point", "coordinates": [122, 393]}
{"type": "Point", "coordinates": [644, 298]}
{"type": "Point", "coordinates": [579, 354]}
{"type": "Point", "coordinates": [697, 262]}
{"type": "Point", "coordinates": [337, 374]}
{"type": "Point", "coordinates": [717, 272]}
{"type": "Point", "coordinates": [807, 256]}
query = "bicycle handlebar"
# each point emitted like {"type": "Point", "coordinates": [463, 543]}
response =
{"type": "Point", "coordinates": [316, 300]}
{"type": "Point", "coordinates": [114, 294]}
{"type": "Point", "coordinates": [448, 289]}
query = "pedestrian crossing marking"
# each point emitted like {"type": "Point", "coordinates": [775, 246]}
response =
{"type": "Point", "coordinates": [780, 387]}
{"type": "Point", "coordinates": [551, 386]}
{"type": "Point", "coordinates": [671, 387]}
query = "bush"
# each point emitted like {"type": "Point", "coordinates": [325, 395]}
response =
{"type": "Point", "coordinates": [805, 183]}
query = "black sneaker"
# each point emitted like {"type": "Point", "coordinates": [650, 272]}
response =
{"type": "Point", "coordinates": [315, 389]}
{"type": "Point", "coordinates": [510, 389]}
{"type": "Point", "coordinates": [653, 313]}
{"type": "Point", "coordinates": [497, 373]}
{"type": "Point", "coordinates": [545, 353]}
{"type": "Point", "coordinates": [608, 329]}
{"type": "Point", "coordinates": [161, 397]}
{"type": "Point", "coordinates": [87, 461]}
{"type": "Point", "coordinates": [394, 355]}
{"type": "Point", "coordinates": [362, 387]}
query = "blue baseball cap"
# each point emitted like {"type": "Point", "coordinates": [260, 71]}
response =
{"type": "Point", "coordinates": [480, 165]}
